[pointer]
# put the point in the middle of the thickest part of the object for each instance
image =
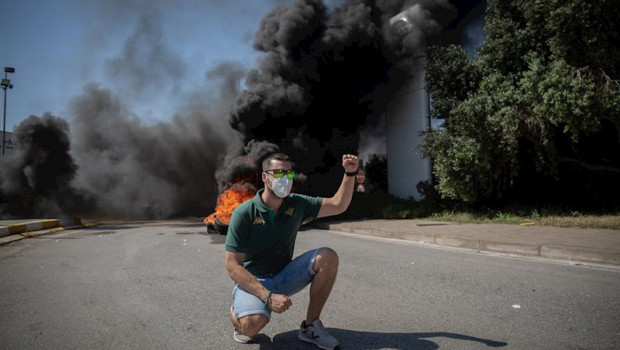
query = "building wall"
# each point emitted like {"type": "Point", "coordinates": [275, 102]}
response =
{"type": "Point", "coordinates": [406, 117]}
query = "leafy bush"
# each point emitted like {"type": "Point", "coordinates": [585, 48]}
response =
{"type": "Point", "coordinates": [376, 172]}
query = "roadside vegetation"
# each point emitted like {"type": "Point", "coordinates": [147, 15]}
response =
{"type": "Point", "coordinates": [381, 205]}
{"type": "Point", "coordinates": [377, 204]}
{"type": "Point", "coordinates": [559, 219]}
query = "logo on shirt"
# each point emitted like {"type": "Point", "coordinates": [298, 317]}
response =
{"type": "Point", "coordinates": [289, 211]}
{"type": "Point", "coordinates": [259, 221]}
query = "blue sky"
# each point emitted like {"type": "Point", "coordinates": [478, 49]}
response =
{"type": "Point", "coordinates": [150, 52]}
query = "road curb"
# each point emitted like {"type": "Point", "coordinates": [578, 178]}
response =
{"type": "Point", "coordinates": [510, 248]}
{"type": "Point", "coordinates": [16, 232]}
{"type": "Point", "coordinates": [549, 251]}
{"type": "Point", "coordinates": [584, 254]}
{"type": "Point", "coordinates": [29, 226]}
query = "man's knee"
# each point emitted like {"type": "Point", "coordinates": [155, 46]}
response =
{"type": "Point", "coordinates": [252, 324]}
{"type": "Point", "coordinates": [326, 259]}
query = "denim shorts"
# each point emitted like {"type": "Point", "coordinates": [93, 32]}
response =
{"type": "Point", "coordinates": [291, 279]}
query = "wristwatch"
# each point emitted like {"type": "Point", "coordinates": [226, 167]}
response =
{"type": "Point", "coordinates": [351, 173]}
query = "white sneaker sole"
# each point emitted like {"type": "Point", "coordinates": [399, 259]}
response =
{"type": "Point", "coordinates": [243, 339]}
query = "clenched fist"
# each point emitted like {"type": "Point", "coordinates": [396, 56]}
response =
{"type": "Point", "coordinates": [279, 303]}
{"type": "Point", "coordinates": [350, 163]}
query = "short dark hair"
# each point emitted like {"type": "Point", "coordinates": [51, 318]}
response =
{"type": "Point", "coordinates": [275, 156]}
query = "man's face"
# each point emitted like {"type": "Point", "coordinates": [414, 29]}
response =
{"type": "Point", "coordinates": [275, 165]}
{"type": "Point", "coordinates": [361, 177]}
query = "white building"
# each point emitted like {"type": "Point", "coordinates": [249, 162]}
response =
{"type": "Point", "coordinates": [406, 118]}
{"type": "Point", "coordinates": [408, 114]}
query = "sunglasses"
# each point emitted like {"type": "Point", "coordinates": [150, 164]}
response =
{"type": "Point", "coordinates": [278, 173]}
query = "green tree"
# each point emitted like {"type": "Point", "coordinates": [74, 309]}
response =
{"type": "Point", "coordinates": [538, 114]}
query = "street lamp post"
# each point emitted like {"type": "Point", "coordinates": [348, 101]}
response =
{"type": "Point", "coordinates": [6, 84]}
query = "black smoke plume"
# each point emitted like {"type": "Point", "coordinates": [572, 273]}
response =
{"type": "Point", "coordinates": [37, 181]}
{"type": "Point", "coordinates": [112, 165]}
{"type": "Point", "coordinates": [146, 171]}
{"type": "Point", "coordinates": [327, 75]}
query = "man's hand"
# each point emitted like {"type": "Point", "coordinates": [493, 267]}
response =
{"type": "Point", "coordinates": [350, 163]}
{"type": "Point", "coordinates": [279, 303]}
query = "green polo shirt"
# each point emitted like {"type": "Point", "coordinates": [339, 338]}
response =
{"type": "Point", "coordinates": [267, 239]}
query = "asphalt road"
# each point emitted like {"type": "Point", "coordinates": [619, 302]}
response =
{"type": "Point", "coordinates": [163, 286]}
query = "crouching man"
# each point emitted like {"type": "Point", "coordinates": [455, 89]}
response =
{"type": "Point", "coordinates": [259, 252]}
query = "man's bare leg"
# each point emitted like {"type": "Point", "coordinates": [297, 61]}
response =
{"type": "Point", "coordinates": [326, 268]}
{"type": "Point", "coordinates": [249, 325]}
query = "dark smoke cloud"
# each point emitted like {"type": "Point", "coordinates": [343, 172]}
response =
{"type": "Point", "coordinates": [113, 165]}
{"type": "Point", "coordinates": [152, 171]}
{"type": "Point", "coordinates": [326, 75]}
{"type": "Point", "coordinates": [37, 180]}
{"type": "Point", "coordinates": [146, 66]}
{"type": "Point", "coordinates": [303, 78]}
{"type": "Point", "coordinates": [244, 168]}
{"type": "Point", "coordinates": [121, 166]}
{"type": "Point", "coordinates": [469, 29]}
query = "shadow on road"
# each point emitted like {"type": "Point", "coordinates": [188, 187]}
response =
{"type": "Point", "coordinates": [370, 340]}
{"type": "Point", "coordinates": [190, 224]}
{"type": "Point", "coordinates": [109, 228]}
{"type": "Point", "coordinates": [217, 238]}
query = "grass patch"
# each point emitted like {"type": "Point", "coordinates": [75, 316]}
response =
{"type": "Point", "coordinates": [603, 221]}
{"type": "Point", "coordinates": [611, 222]}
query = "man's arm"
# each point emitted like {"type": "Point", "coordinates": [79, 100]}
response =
{"type": "Point", "coordinates": [234, 265]}
{"type": "Point", "coordinates": [236, 271]}
{"type": "Point", "coordinates": [341, 200]}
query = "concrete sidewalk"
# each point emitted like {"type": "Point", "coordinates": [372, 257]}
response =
{"type": "Point", "coordinates": [13, 230]}
{"type": "Point", "coordinates": [572, 244]}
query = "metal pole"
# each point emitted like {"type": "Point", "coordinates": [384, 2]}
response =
{"type": "Point", "coordinates": [6, 84]}
{"type": "Point", "coordinates": [4, 121]}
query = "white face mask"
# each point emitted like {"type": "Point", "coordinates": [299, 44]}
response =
{"type": "Point", "coordinates": [281, 187]}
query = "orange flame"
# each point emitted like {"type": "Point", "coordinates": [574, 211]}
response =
{"type": "Point", "coordinates": [229, 200]}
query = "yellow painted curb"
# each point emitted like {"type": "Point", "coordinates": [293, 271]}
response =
{"type": "Point", "coordinates": [15, 229]}
{"type": "Point", "coordinates": [47, 224]}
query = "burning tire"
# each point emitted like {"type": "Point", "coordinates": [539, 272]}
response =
{"type": "Point", "coordinates": [220, 227]}
{"type": "Point", "coordinates": [227, 201]}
